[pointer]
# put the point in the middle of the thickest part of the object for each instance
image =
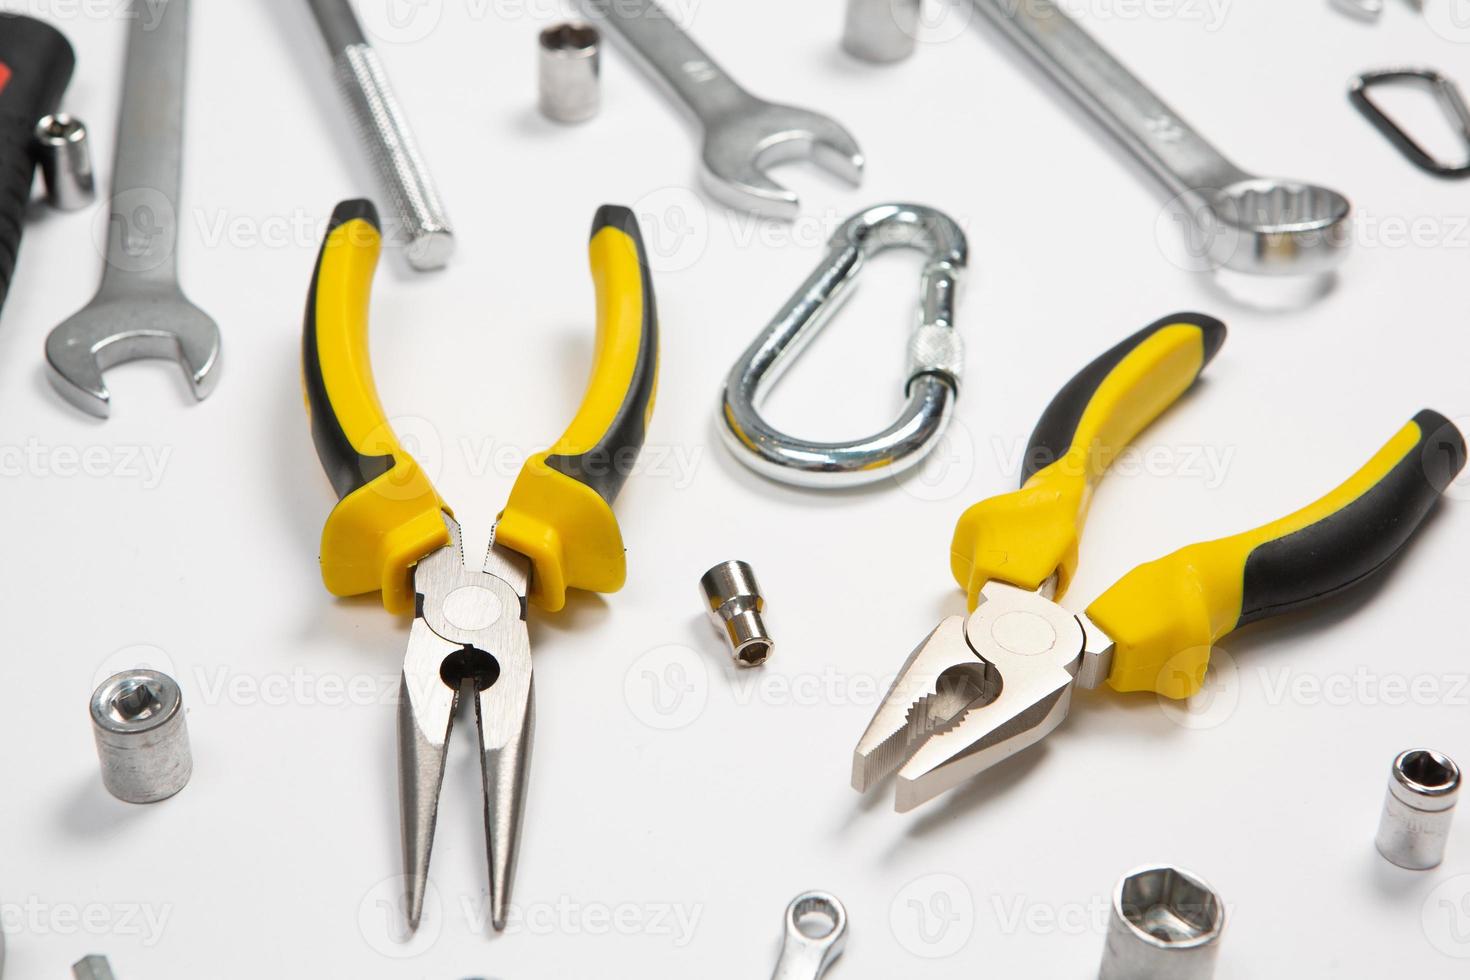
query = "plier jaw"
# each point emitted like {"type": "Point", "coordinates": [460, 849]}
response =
{"type": "Point", "coordinates": [979, 689]}
{"type": "Point", "coordinates": [468, 639]}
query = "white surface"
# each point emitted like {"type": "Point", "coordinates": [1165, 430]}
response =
{"type": "Point", "coordinates": [664, 837]}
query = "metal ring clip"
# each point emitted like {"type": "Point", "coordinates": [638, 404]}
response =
{"type": "Point", "coordinates": [1450, 100]}
{"type": "Point", "coordinates": [936, 356]}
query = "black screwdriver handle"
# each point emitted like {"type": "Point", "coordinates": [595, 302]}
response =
{"type": "Point", "coordinates": [36, 63]}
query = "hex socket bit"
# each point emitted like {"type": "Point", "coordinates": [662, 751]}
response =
{"type": "Point", "coordinates": [733, 600]}
{"type": "Point", "coordinates": [1423, 788]}
{"type": "Point", "coordinates": [142, 741]}
{"type": "Point", "coordinates": [1165, 925]}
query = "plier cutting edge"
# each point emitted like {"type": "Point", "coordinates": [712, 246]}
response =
{"type": "Point", "coordinates": [982, 687]}
{"type": "Point", "coordinates": [391, 533]}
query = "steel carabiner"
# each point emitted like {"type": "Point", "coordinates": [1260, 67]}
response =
{"type": "Point", "coordinates": [935, 353]}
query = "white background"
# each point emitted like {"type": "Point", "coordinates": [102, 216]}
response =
{"type": "Point", "coordinates": [674, 807]}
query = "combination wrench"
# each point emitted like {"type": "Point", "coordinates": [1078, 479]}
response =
{"type": "Point", "coordinates": [139, 310]}
{"type": "Point", "coordinates": [1246, 223]}
{"type": "Point", "coordinates": [742, 134]}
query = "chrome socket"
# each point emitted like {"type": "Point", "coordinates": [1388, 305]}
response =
{"type": "Point", "coordinates": [881, 30]}
{"type": "Point", "coordinates": [733, 600]}
{"type": "Point", "coordinates": [63, 152]}
{"type": "Point", "coordinates": [92, 967]}
{"type": "Point", "coordinates": [570, 72]}
{"type": "Point", "coordinates": [1423, 788]}
{"type": "Point", "coordinates": [142, 742]}
{"type": "Point", "coordinates": [1165, 925]}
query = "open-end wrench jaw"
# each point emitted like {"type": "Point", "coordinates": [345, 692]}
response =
{"type": "Point", "coordinates": [741, 145]}
{"type": "Point", "coordinates": [978, 690]}
{"type": "Point", "coordinates": [161, 323]}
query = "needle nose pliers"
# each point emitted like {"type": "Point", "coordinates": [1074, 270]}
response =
{"type": "Point", "coordinates": [982, 687]}
{"type": "Point", "coordinates": [391, 533]}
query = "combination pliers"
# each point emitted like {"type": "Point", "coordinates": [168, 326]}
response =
{"type": "Point", "coordinates": [391, 533]}
{"type": "Point", "coordinates": [982, 687]}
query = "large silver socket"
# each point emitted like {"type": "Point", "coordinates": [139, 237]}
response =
{"type": "Point", "coordinates": [881, 30]}
{"type": "Point", "coordinates": [1166, 925]}
{"type": "Point", "coordinates": [733, 600]}
{"type": "Point", "coordinates": [1423, 788]}
{"type": "Point", "coordinates": [570, 72]}
{"type": "Point", "coordinates": [142, 742]}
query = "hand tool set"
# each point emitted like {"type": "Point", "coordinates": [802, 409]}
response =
{"type": "Point", "coordinates": [981, 687]}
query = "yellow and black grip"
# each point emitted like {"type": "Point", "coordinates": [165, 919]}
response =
{"type": "Point", "coordinates": [36, 63]}
{"type": "Point", "coordinates": [560, 510]}
{"type": "Point", "coordinates": [1163, 617]}
{"type": "Point", "coordinates": [388, 515]}
{"type": "Point", "coordinates": [1027, 537]}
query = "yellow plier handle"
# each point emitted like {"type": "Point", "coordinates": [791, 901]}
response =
{"type": "Point", "coordinates": [1028, 537]}
{"type": "Point", "coordinates": [560, 509]}
{"type": "Point", "coordinates": [559, 515]}
{"type": "Point", "coordinates": [1163, 617]}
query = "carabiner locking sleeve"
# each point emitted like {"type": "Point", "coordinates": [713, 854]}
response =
{"type": "Point", "coordinates": [936, 356]}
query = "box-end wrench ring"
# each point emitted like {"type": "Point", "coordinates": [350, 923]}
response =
{"type": "Point", "coordinates": [806, 954]}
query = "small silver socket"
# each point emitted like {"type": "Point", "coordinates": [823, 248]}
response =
{"type": "Point", "coordinates": [570, 71]}
{"type": "Point", "coordinates": [733, 600]}
{"type": "Point", "coordinates": [881, 31]}
{"type": "Point", "coordinates": [63, 152]}
{"type": "Point", "coordinates": [142, 742]}
{"type": "Point", "coordinates": [1423, 788]}
{"type": "Point", "coordinates": [1165, 925]}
